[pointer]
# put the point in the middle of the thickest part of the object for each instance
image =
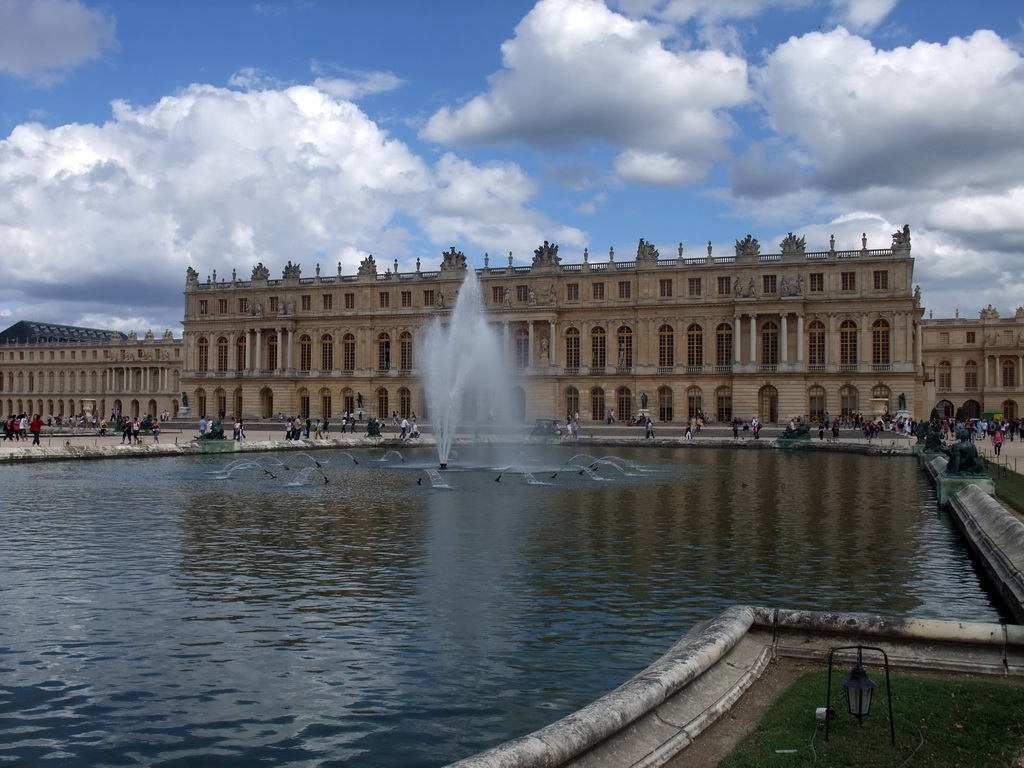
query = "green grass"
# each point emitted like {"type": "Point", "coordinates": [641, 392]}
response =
{"type": "Point", "coordinates": [960, 722]}
{"type": "Point", "coordinates": [1009, 484]}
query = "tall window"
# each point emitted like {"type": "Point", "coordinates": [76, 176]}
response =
{"type": "Point", "coordinates": [694, 286]}
{"type": "Point", "coordinates": [666, 347]}
{"type": "Point", "coordinates": [326, 352]}
{"type": "Point", "coordinates": [723, 345]}
{"type": "Point", "coordinates": [307, 302]}
{"type": "Point", "coordinates": [816, 343]}
{"type": "Point", "coordinates": [665, 288]}
{"type": "Point", "coordinates": [328, 300]}
{"type": "Point", "coordinates": [597, 408]}
{"type": "Point", "coordinates": [406, 297]}
{"type": "Point", "coordinates": [405, 352]}
{"type": "Point", "coordinates": [624, 289]}
{"type": "Point", "coordinates": [385, 299]}
{"type": "Point", "coordinates": [625, 346]}
{"type": "Point", "coordinates": [723, 404]}
{"type": "Point", "coordinates": [572, 293]}
{"type": "Point", "coordinates": [665, 409]}
{"type": "Point", "coordinates": [1009, 373]}
{"type": "Point", "coordinates": [497, 294]}
{"type": "Point", "coordinates": [848, 281]}
{"type": "Point", "coordinates": [880, 342]}
{"type": "Point", "coordinates": [572, 401]}
{"type": "Point", "coordinates": [816, 283]}
{"type": "Point", "coordinates": [522, 293]}
{"type": "Point", "coordinates": [945, 371]}
{"type": "Point", "coordinates": [404, 403]}
{"type": "Point", "coordinates": [694, 402]}
{"type": "Point", "coordinates": [768, 284]}
{"type": "Point", "coordinates": [348, 353]}
{"type": "Point", "coordinates": [723, 285]}
{"type": "Point", "coordinates": [848, 343]}
{"type": "Point", "coordinates": [816, 403]}
{"type": "Point", "coordinates": [624, 404]}
{"type": "Point", "coordinates": [770, 343]}
{"type": "Point", "coordinates": [222, 355]}
{"type": "Point", "coordinates": [597, 291]}
{"type": "Point", "coordinates": [971, 374]}
{"type": "Point", "coordinates": [522, 347]}
{"type": "Point", "coordinates": [383, 357]}
{"type": "Point", "coordinates": [881, 279]}
{"type": "Point", "coordinates": [240, 345]}
{"type": "Point", "coordinates": [383, 404]}
{"type": "Point", "coordinates": [203, 354]}
{"type": "Point", "coordinates": [326, 409]}
{"type": "Point", "coordinates": [305, 353]}
{"type": "Point", "coordinates": [598, 348]}
{"type": "Point", "coordinates": [694, 345]}
{"type": "Point", "coordinates": [572, 348]}
{"type": "Point", "coordinates": [304, 403]}
{"type": "Point", "coordinates": [272, 353]}
{"type": "Point", "coordinates": [350, 301]}
{"type": "Point", "coordinates": [848, 400]}
{"type": "Point", "coordinates": [428, 298]}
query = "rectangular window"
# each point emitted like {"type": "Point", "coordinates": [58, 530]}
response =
{"type": "Point", "coordinates": [881, 278]}
{"type": "Point", "coordinates": [385, 299]}
{"type": "Point", "coordinates": [971, 377]}
{"type": "Point", "coordinates": [243, 306]}
{"type": "Point", "coordinates": [694, 286]}
{"type": "Point", "coordinates": [328, 300]}
{"type": "Point", "coordinates": [624, 289]}
{"type": "Point", "coordinates": [723, 285]}
{"type": "Point", "coordinates": [944, 337]}
{"type": "Point", "coordinates": [971, 338]}
{"type": "Point", "coordinates": [665, 288]}
{"type": "Point", "coordinates": [522, 293]}
{"type": "Point", "coordinates": [350, 301]}
{"type": "Point", "coordinates": [222, 306]}
{"type": "Point", "coordinates": [572, 292]}
{"type": "Point", "coordinates": [275, 304]}
{"type": "Point", "coordinates": [817, 282]}
{"type": "Point", "coordinates": [204, 307]}
{"type": "Point", "coordinates": [307, 302]}
{"type": "Point", "coordinates": [768, 284]}
{"type": "Point", "coordinates": [597, 291]}
{"type": "Point", "coordinates": [848, 281]}
{"type": "Point", "coordinates": [428, 298]}
{"type": "Point", "coordinates": [406, 298]}
{"type": "Point", "coordinates": [497, 294]}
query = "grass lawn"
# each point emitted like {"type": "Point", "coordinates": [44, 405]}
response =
{"type": "Point", "coordinates": [962, 721]}
{"type": "Point", "coordinates": [1009, 485]}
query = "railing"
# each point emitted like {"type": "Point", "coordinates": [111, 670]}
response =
{"type": "Point", "coordinates": [571, 371]}
{"type": "Point", "coordinates": [596, 370]}
{"type": "Point", "coordinates": [849, 368]}
{"type": "Point", "coordinates": [694, 369]}
{"type": "Point", "coordinates": [816, 368]}
{"type": "Point", "coordinates": [722, 369]}
{"type": "Point", "coordinates": [768, 368]}
{"type": "Point", "coordinates": [624, 370]}
{"type": "Point", "coordinates": [881, 367]}
{"type": "Point", "coordinates": [383, 371]}
{"type": "Point", "coordinates": [666, 369]}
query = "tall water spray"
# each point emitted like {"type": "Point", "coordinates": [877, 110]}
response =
{"type": "Point", "coordinates": [464, 368]}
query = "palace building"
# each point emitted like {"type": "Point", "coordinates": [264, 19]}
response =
{"type": "Point", "coordinates": [779, 334]}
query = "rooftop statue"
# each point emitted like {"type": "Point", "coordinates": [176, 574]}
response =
{"type": "Point", "coordinates": [453, 259]}
{"type": "Point", "coordinates": [990, 313]}
{"type": "Point", "coordinates": [191, 276]}
{"type": "Point", "coordinates": [901, 239]}
{"type": "Point", "coordinates": [646, 251]}
{"type": "Point", "coordinates": [546, 255]}
{"type": "Point", "coordinates": [368, 266]}
{"type": "Point", "coordinates": [260, 272]}
{"type": "Point", "coordinates": [748, 246]}
{"type": "Point", "coordinates": [793, 244]}
{"type": "Point", "coordinates": [291, 271]}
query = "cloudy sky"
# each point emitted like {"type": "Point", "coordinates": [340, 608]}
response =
{"type": "Point", "coordinates": [140, 138]}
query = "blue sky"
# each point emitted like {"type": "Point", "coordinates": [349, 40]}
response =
{"type": "Point", "coordinates": [140, 138]}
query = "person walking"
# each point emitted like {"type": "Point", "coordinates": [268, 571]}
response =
{"type": "Point", "coordinates": [997, 442]}
{"type": "Point", "coordinates": [156, 430]}
{"type": "Point", "coordinates": [35, 427]}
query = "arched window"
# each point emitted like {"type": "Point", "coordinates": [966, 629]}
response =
{"type": "Point", "coordinates": [1009, 408]}
{"type": "Point", "coordinates": [200, 402]}
{"type": "Point", "coordinates": [272, 353]}
{"type": "Point", "coordinates": [597, 406]}
{"type": "Point", "coordinates": [848, 343]}
{"type": "Point", "coordinates": [816, 403]}
{"type": "Point", "coordinates": [222, 354]}
{"type": "Point", "coordinates": [572, 397]}
{"type": "Point", "coordinates": [572, 350]}
{"type": "Point", "coordinates": [770, 343]}
{"type": "Point", "coordinates": [203, 354]}
{"type": "Point", "coordinates": [945, 375]}
{"type": "Point", "coordinates": [348, 353]}
{"type": "Point", "coordinates": [624, 403]}
{"type": "Point", "coordinates": [880, 342]}
{"type": "Point", "coordinates": [694, 402]}
{"type": "Point", "coordinates": [971, 374]}
{"type": "Point", "coordinates": [383, 358]}
{"type": "Point", "coordinates": [383, 408]}
{"type": "Point", "coordinates": [598, 348]}
{"type": "Point", "coordinates": [1009, 373]}
{"type": "Point", "coordinates": [848, 405]}
{"type": "Point", "coordinates": [50, 377]}
{"type": "Point", "coordinates": [666, 347]}
{"type": "Point", "coordinates": [694, 346]}
{"type": "Point", "coordinates": [305, 353]}
{"type": "Point", "coordinates": [522, 346]}
{"type": "Point", "coordinates": [816, 343]}
{"type": "Point", "coordinates": [326, 352]}
{"type": "Point", "coordinates": [304, 400]}
{"type": "Point", "coordinates": [665, 409]}
{"type": "Point", "coordinates": [769, 399]}
{"type": "Point", "coordinates": [240, 347]}
{"type": "Point", "coordinates": [326, 404]}
{"type": "Point", "coordinates": [625, 342]}
{"type": "Point", "coordinates": [723, 346]}
{"type": "Point", "coordinates": [405, 352]}
{"type": "Point", "coordinates": [404, 403]}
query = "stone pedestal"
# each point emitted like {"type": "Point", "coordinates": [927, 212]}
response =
{"type": "Point", "coordinates": [184, 412]}
{"type": "Point", "coordinates": [947, 486]}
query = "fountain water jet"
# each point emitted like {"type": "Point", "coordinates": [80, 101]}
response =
{"type": "Point", "coordinates": [462, 360]}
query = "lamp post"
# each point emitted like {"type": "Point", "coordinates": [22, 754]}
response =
{"type": "Point", "coordinates": [859, 688]}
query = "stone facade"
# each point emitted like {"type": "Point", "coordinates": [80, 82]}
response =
{"type": "Point", "coordinates": [733, 335]}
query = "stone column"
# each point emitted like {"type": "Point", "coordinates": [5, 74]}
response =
{"type": "Point", "coordinates": [529, 345]}
{"type": "Point", "coordinates": [552, 343]}
{"type": "Point", "coordinates": [783, 338]}
{"type": "Point", "coordinates": [257, 349]}
{"type": "Point", "coordinates": [753, 337]}
{"type": "Point", "coordinates": [800, 338]}
{"type": "Point", "coordinates": [737, 325]}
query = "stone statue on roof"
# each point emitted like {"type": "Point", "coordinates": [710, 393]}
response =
{"type": "Point", "coordinates": [546, 255]}
{"type": "Point", "coordinates": [792, 244]}
{"type": "Point", "coordinates": [901, 239]}
{"type": "Point", "coordinates": [368, 266]}
{"type": "Point", "coordinates": [191, 276]}
{"type": "Point", "coordinates": [260, 272]}
{"type": "Point", "coordinates": [748, 246]}
{"type": "Point", "coordinates": [291, 271]}
{"type": "Point", "coordinates": [646, 251]}
{"type": "Point", "coordinates": [452, 259]}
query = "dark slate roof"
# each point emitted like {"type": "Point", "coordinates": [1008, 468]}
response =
{"type": "Point", "coordinates": [28, 332]}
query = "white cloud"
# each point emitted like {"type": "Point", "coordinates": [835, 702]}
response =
{"type": "Point", "coordinates": [861, 15]}
{"type": "Point", "coordinates": [42, 40]}
{"type": "Point", "coordinates": [577, 73]}
{"type": "Point", "coordinates": [659, 169]}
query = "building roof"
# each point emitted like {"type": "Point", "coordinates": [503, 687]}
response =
{"type": "Point", "coordinates": [29, 332]}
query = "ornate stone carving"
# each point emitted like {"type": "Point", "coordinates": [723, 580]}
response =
{"type": "Point", "coordinates": [452, 260]}
{"type": "Point", "coordinates": [1019, 314]}
{"type": "Point", "coordinates": [546, 255]}
{"type": "Point", "coordinates": [901, 239]}
{"type": "Point", "coordinates": [291, 271]}
{"type": "Point", "coordinates": [260, 272]}
{"type": "Point", "coordinates": [792, 244]}
{"type": "Point", "coordinates": [748, 246]}
{"type": "Point", "coordinates": [990, 313]}
{"type": "Point", "coordinates": [646, 251]}
{"type": "Point", "coordinates": [191, 276]}
{"type": "Point", "coordinates": [149, 335]}
{"type": "Point", "coordinates": [168, 334]}
{"type": "Point", "coordinates": [368, 266]}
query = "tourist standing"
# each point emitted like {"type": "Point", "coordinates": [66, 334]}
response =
{"type": "Point", "coordinates": [36, 426]}
{"type": "Point", "coordinates": [649, 429]}
{"type": "Point", "coordinates": [997, 442]}
{"type": "Point", "coordinates": [405, 428]}
{"type": "Point", "coordinates": [156, 430]}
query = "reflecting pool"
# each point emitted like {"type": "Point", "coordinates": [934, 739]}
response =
{"type": "Point", "coordinates": [217, 612]}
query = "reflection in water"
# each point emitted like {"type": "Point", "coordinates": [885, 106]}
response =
{"type": "Point", "coordinates": [189, 612]}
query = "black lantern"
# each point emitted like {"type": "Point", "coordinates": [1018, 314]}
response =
{"type": "Point", "coordinates": [859, 688]}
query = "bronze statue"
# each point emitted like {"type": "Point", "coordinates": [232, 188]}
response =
{"type": "Point", "coordinates": [963, 456]}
